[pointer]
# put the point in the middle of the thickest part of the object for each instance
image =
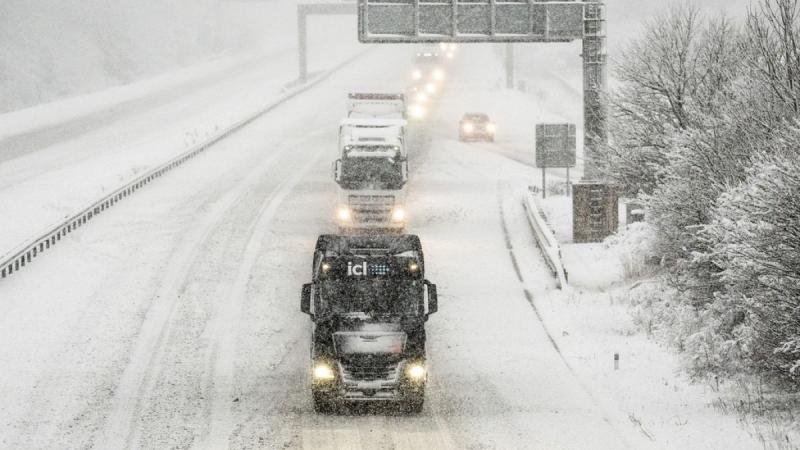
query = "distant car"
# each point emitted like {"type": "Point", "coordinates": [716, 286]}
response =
{"type": "Point", "coordinates": [476, 126]}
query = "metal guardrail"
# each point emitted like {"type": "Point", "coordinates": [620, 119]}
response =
{"type": "Point", "coordinates": [545, 239]}
{"type": "Point", "coordinates": [24, 253]}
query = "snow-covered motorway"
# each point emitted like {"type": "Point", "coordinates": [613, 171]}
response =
{"type": "Point", "coordinates": [173, 320]}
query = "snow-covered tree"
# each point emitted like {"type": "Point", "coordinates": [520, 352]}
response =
{"type": "Point", "coordinates": [755, 240]}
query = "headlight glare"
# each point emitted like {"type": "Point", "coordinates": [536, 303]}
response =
{"type": "Point", "coordinates": [467, 127]}
{"type": "Point", "coordinates": [323, 371]}
{"type": "Point", "coordinates": [343, 213]}
{"type": "Point", "coordinates": [398, 215]}
{"type": "Point", "coordinates": [416, 371]}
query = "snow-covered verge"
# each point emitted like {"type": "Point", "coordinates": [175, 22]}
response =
{"type": "Point", "coordinates": [51, 49]}
{"type": "Point", "coordinates": [610, 310]}
{"type": "Point", "coordinates": [49, 181]}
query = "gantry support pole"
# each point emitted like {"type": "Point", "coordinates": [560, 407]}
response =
{"type": "Point", "coordinates": [595, 133]}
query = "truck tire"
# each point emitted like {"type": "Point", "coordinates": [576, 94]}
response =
{"type": "Point", "coordinates": [323, 404]}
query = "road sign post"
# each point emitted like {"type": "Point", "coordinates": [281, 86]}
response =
{"type": "Point", "coordinates": [555, 147]}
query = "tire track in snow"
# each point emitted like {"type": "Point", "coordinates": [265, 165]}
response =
{"type": "Point", "coordinates": [140, 375]}
{"type": "Point", "coordinates": [221, 420]}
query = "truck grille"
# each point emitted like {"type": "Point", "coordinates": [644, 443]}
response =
{"type": "Point", "coordinates": [374, 372]}
{"type": "Point", "coordinates": [371, 208]}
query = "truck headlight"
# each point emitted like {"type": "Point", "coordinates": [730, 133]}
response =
{"type": "Point", "coordinates": [430, 88]}
{"type": "Point", "coordinates": [398, 215]}
{"type": "Point", "coordinates": [438, 74]}
{"type": "Point", "coordinates": [323, 372]}
{"type": "Point", "coordinates": [343, 213]}
{"type": "Point", "coordinates": [421, 97]}
{"type": "Point", "coordinates": [467, 127]}
{"type": "Point", "coordinates": [491, 128]}
{"type": "Point", "coordinates": [416, 372]}
{"type": "Point", "coordinates": [416, 74]}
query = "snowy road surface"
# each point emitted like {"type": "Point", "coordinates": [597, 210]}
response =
{"type": "Point", "coordinates": [173, 320]}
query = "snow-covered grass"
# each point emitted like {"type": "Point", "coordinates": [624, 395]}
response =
{"type": "Point", "coordinates": [43, 185]}
{"type": "Point", "coordinates": [599, 316]}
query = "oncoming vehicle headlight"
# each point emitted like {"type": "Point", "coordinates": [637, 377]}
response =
{"type": "Point", "coordinates": [430, 88]}
{"type": "Point", "coordinates": [438, 74]}
{"type": "Point", "coordinates": [343, 213]}
{"type": "Point", "coordinates": [417, 111]}
{"type": "Point", "coordinates": [491, 128]}
{"type": "Point", "coordinates": [416, 74]}
{"type": "Point", "coordinates": [323, 371]}
{"type": "Point", "coordinates": [421, 97]}
{"type": "Point", "coordinates": [467, 127]}
{"type": "Point", "coordinates": [443, 45]}
{"type": "Point", "coordinates": [398, 215]}
{"type": "Point", "coordinates": [416, 371]}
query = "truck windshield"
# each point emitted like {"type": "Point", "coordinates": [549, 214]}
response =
{"type": "Point", "coordinates": [372, 296]}
{"type": "Point", "coordinates": [371, 173]}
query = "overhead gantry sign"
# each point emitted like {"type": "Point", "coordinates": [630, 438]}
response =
{"type": "Point", "coordinates": [470, 21]}
{"type": "Point", "coordinates": [465, 21]}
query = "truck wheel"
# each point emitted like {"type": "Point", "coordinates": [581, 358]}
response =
{"type": "Point", "coordinates": [323, 404]}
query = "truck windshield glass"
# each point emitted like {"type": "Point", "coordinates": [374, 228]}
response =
{"type": "Point", "coordinates": [372, 296]}
{"type": "Point", "coordinates": [371, 173]}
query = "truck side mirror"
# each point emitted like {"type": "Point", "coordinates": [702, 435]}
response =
{"type": "Point", "coordinates": [433, 299]}
{"type": "Point", "coordinates": [337, 170]}
{"type": "Point", "coordinates": [305, 299]}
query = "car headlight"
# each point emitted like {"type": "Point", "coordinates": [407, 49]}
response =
{"type": "Point", "coordinates": [438, 74]}
{"type": "Point", "coordinates": [491, 128]}
{"type": "Point", "coordinates": [430, 88]}
{"type": "Point", "coordinates": [468, 127]}
{"type": "Point", "coordinates": [416, 74]}
{"type": "Point", "coordinates": [398, 215]}
{"type": "Point", "coordinates": [416, 371]}
{"type": "Point", "coordinates": [323, 371]}
{"type": "Point", "coordinates": [417, 111]}
{"type": "Point", "coordinates": [343, 213]}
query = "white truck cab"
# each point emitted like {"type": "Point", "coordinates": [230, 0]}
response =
{"type": "Point", "coordinates": [371, 174]}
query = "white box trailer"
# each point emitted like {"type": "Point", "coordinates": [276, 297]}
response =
{"type": "Point", "coordinates": [376, 105]}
